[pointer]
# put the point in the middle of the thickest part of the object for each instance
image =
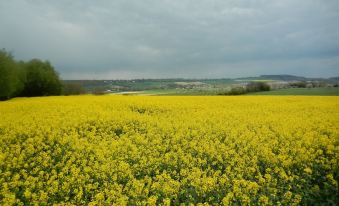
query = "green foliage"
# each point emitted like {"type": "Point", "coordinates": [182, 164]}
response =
{"type": "Point", "coordinates": [249, 88]}
{"type": "Point", "coordinates": [237, 91]}
{"type": "Point", "coordinates": [34, 78]}
{"type": "Point", "coordinates": [41, 79]}
{"type": "Point", "coordinates": [9, 78]}
{"type": "Point", "coordinates": [258, 87]}
{"type": "Point", "coordinates": [300, 84]}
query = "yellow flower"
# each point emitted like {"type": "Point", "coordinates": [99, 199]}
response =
{"type": "Point", "coordinates": [263, 200]}
{"type": "Point", "coordinates": [308, 170]}
{"type": "Point", "coordinates": [138, 150]}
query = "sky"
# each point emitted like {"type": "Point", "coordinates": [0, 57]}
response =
{"type": "Point", "coordinates": [127, 39]}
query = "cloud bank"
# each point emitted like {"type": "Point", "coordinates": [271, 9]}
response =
{"type": "Point", "coordinates": [175, 38]}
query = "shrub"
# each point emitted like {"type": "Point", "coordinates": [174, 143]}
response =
{"type": "Point", "coordinates": [73, 89]}
{"type": "Point", "coordinates": [257, 87]}
{"type": "Point", "coordinates": [237, 91]}
{"type": "Point", "coordinates": [298, 84]}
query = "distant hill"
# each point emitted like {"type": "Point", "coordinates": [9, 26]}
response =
{"type": "Point", "coordinates": [289, 78]}
{"type": "Point", "coordinates": [334, 80]}
{"type": "Point", "coordinates": [283, 77]}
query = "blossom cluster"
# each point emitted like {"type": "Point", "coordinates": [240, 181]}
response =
{"type": "Point", "coordinates": [139, 150]}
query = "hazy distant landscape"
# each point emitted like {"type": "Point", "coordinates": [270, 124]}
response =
{"type": "Point", "coordinates": [278, 85]}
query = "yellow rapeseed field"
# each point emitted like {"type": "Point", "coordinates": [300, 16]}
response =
{"type": "Point", "coordinates": [134, 150]}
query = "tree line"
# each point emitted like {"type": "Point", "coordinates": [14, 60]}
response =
{"type": "Point", "coordinates": [249, 88]}
{"type": "Point", "coordinates": [31, 78]}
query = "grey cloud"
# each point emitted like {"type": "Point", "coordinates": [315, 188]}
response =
{"type": "Point", "coordinates": [171, 38]}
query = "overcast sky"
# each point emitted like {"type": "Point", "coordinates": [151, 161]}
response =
{"type": "Point", "coordinates": [117, 39]}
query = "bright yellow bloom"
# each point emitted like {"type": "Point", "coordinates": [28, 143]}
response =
{"type": "Point", "coordinates": [133, 150]}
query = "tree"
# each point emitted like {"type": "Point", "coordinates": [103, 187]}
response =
{"type": "Point", "coordinates": [257, 87]}
{"type": "Point", "coordinates": [41, 79]}
{"type": "Point", "coordinates": [9, 77]}
{"type": "Point", "coordinates": [237, 91]}
{"type": "Point", "coordinates": [300, 84]}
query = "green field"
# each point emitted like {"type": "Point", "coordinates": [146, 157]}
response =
{"type": "Point", "coordinates": [323, 91]}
